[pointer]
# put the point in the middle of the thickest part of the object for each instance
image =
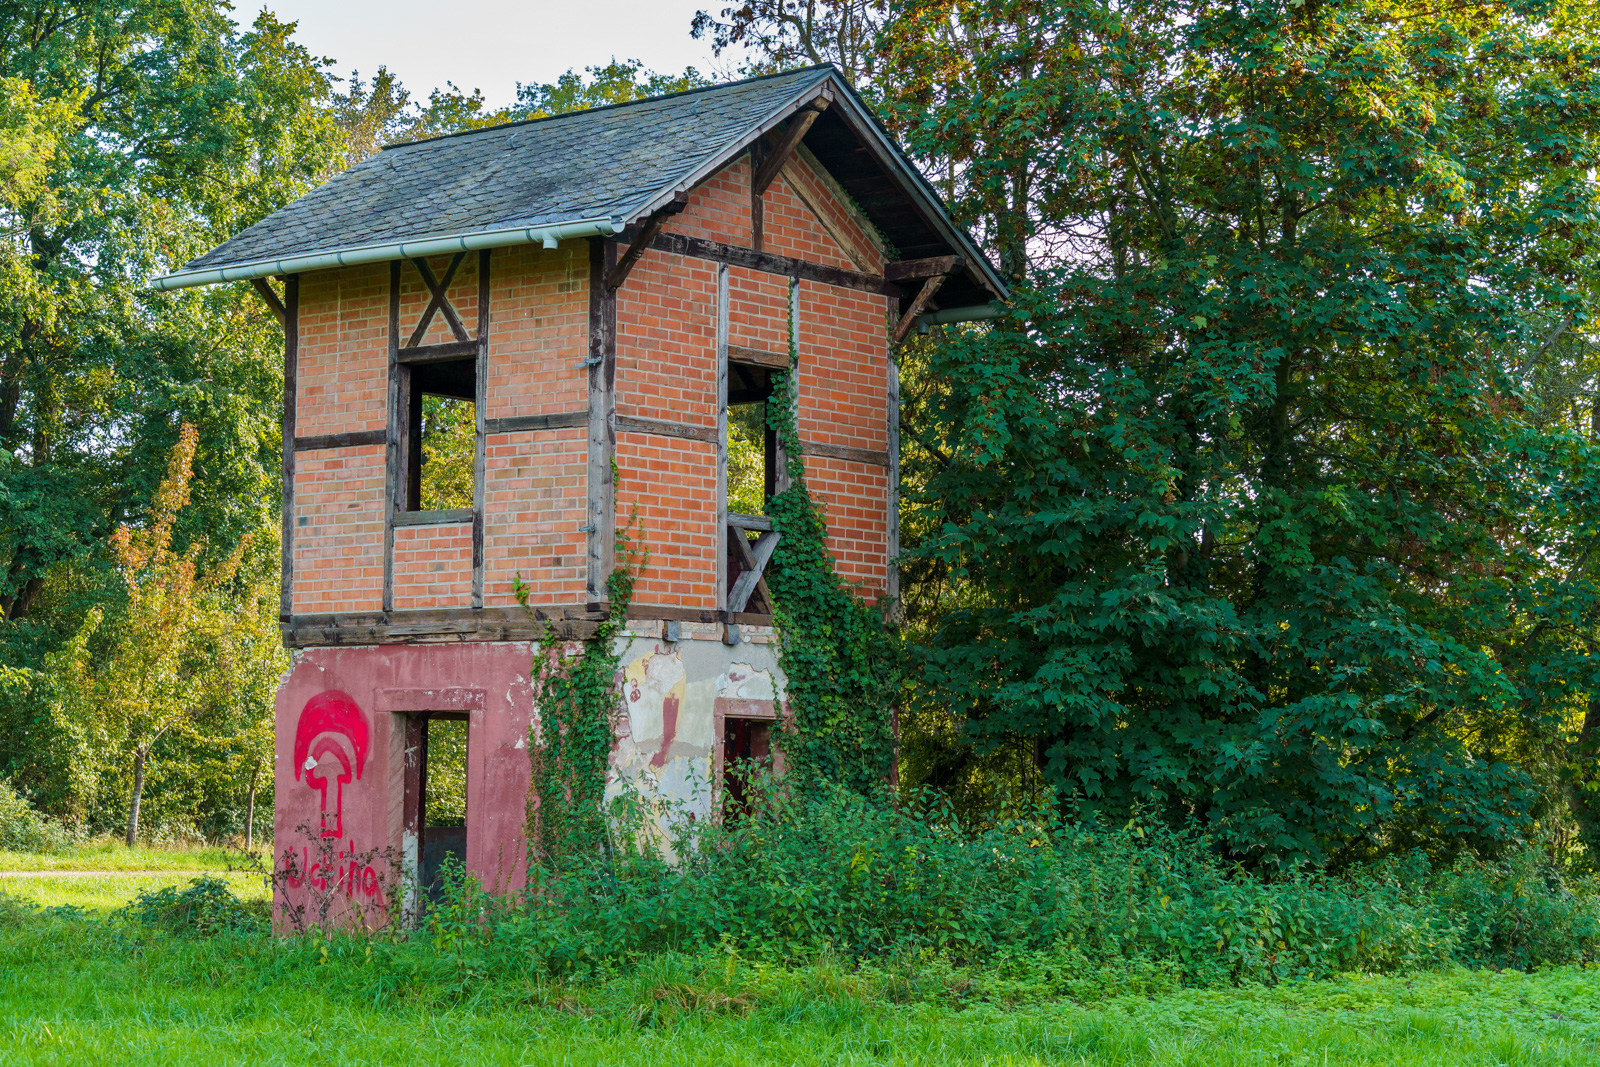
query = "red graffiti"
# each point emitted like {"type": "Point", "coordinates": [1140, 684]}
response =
{"type": "Point", "coordinates": [332, 720]}
{"type": "Point", "coordinates": [348, 873]}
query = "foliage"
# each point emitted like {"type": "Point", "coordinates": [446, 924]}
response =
{"type": "Point", "coordinates": [866, 879]}
{"type": "Point", "coordinates": [22, 829]}
{"type": "Point", "coordinates": [575, 692]}
{"type": "Point", "coordinates": [87, 990]}
{"type": "Point", "coordinates": [1251, 511]}
{"type": "Point", "coordinates": [794, 33]}
{"type": "Point", "coordinates": [747, 490]}
{"type": "Point", "coordinates": [614, 83]}
{"type": "Point", "coordinates": [448, 435]}
{"type": "Point", "coordinates": [204, 908]}
{"type": "Point", "coordinates": [840, 663]}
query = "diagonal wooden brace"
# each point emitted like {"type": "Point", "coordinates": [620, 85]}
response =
{"type": "Point", "coordinates": [755, 560]}
{"type": "Point", "coordinates": [440, 301]}
{"type": "Point", "coordinates": [274, 305]}
{"type": "Point", "coordinates": [909, 319]}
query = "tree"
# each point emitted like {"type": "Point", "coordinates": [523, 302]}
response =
{"type": "Point", "coordinates": [1253, 511]}
{"type": "Point", "coordinates": [785, 34]}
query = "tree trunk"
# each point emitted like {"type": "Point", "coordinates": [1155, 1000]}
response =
{"type": "Point", "coordinates": [1583, 795]}
{"type": "Point", "coordinates": [250, 810]}
{"type": "Point", "coordinates": [139, 755]}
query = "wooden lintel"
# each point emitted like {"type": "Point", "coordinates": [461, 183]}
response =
{"type": "Point", "coordinates": [274, 305]}
{"type": "Point", "coordinates": [440, 302]}
{"type": "Point", "coordinates": [906, 269]}
{"type": "Point", "coordinates": [652, 226]}
{"type": "Point", "coordinates": [441, 353]}
{"type": "Point", "coordinates": [441, 517]}
{"type": "Point", "coordinates": [798, 125]}
{"type": "Point", "coordinates": [909, 319]}
{"type": "Point", "coordinates": [755, 357]}
{"type": "Point", "coordinates": [748, 522]}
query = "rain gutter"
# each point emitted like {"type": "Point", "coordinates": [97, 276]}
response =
{"type": "Point", "coordinates": [549, 236]}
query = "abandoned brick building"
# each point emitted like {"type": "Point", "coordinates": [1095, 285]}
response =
{"type": "Point", "coordinates": [597, 300]}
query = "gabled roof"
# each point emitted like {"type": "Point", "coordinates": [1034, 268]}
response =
{"type": "Point", "coordinates": [587, 173]}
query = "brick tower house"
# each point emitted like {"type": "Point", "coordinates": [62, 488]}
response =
{"type": "Point", "coordinates": [573, 317]}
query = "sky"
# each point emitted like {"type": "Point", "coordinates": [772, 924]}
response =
{"type": "Point", "coordinates": [493, 44]}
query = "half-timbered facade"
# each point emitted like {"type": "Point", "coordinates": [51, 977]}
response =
{"type": "Point", "coordinates": [603, 296]}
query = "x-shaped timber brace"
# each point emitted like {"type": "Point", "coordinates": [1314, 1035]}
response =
{"type": "Point", "coordinates": [401, 471]}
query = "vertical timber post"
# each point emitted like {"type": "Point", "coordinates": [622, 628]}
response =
{"type": "Point", "coordinates": [892, 494]}
{"type": "Point", "coordinates": [480, 436]}
{"type": "Point", "coordinates": [291, 372]}
{"type": "Point", "coordinates": [781, 479]}
{"type": "Point", "coordinates": [722, 437]}
{"type": "Point", "coordinates": [399, 417]}
{"type": "Point", "coordinates": [602, 366]}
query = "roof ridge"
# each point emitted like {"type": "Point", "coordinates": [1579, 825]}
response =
{"type": "Point", "coordinates": [611, 107]}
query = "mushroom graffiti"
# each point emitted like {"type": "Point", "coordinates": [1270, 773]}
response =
{"type": "Point", "coordinates": [331, 724]}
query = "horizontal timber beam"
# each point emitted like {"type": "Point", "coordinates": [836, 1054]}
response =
{"type": "Point", "coordinates": [355, 439]}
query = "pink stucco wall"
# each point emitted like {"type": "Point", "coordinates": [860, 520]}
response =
{"type": "Point", "coordinates": [340, 720]}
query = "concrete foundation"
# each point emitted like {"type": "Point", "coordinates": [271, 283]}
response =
{"type": "Point", "coordinates": [348, 753]}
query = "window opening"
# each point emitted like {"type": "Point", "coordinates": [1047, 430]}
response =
{"type": "Point", "coordinates": [752, 445]}
{"type": "Point", "coordinates": [443, 435]}
{"type": "Point", "coordinates": [442, 799]}
{"type": "Point", "coordinates": [746, 753]}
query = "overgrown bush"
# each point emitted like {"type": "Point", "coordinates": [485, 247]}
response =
{"type": "Point", "coordinates": [204, 907]}
{"type": "Point", "coordinates": [22, 829]}
{"type": "Point", "coordinates": [870, 880]}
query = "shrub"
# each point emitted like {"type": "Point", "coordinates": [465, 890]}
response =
{"type": "Point", "coordinates": [205, 907]}
{"type": "Point", "coordinates": [874, 880]}
{"type": "Point", "coordinates": [22, 829]}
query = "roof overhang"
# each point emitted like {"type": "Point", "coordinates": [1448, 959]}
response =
{"type": "Point", "coordinates": [548, 236]}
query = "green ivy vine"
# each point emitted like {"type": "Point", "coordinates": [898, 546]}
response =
{"type": "Point", "coordinates": [569, 749]}
{"type": "Point", "coordinates": [840, 661]}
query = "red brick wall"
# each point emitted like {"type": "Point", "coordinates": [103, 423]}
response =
{"type": "Point", "coordinates": [535, 491]}
{"type": "Point", "coordinates": [535, 497]}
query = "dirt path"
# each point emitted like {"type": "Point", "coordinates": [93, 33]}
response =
{"type": "Point", "coordinates": [96, 874]}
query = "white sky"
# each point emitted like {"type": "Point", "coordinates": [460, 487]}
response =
{"type": "Point", "coordinates": [493, 44]}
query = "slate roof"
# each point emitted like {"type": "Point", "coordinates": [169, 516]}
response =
{"type": "Point", "coordinates": [609, 163]}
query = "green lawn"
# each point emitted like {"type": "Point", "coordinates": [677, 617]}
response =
{"type": "Point", "coordinates": [107, 892]}
{"type": "Point", "coordinates": [78, 991]}
{"type": "Point", "coordinates": [113, 855]}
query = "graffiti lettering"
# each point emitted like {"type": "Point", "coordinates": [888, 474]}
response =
{"type": "Point", "coordinates": [333, 728]}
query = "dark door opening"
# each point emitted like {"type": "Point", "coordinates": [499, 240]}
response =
{"type": "Point", "coordinates": [746, 753]}
{"type": "Point", "coordinates": [438, 806]}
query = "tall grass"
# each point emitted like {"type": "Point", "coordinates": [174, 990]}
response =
{"type": "Point", "coordinates": [862, 880]}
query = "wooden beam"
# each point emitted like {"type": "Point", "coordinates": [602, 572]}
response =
{"type": "Point", "coordinates": [440, 517]}
{"type": "Point", "coordinates": [721, 517]}
{"type": "Point", "coordinates": [749, 522]}
{"type": "Point", "coordinates": [909, 319]}
{"type": "Point", "coordinates": [274, 305]}
{"type": "Point", "coordinates": [291, 373]}
{"type": "Point", "coordinates": [602, 364]}
{"type": "Point", "coordinates": [906, 269]}
{"type": "Point", "coordinates": [354, 439]}
{"type": "Point", "coordinates": [755, 560]}
{"type": "Point", "coordinates": [480, 432]}
{"type": "Point", "coordinates": [798, 125]}
{"type": "Point", "coordinates": [652, 226]}
{"type": "Point", "coordinates": [892, 505]}
{"type": "Point", "coordinates": [440, 301]}
{"type": "Point", "coordinates": [663, 428]}
{"type": "Point", "coordinates": [399, 423]}
{"type": "Point", "coordinates": [560, 420]}
{"type": "Point", "coordinates": [443, 353]}
{"type": "Point", "coordinates": [699, 248]}
{"type": "Point", "coordinates": [755, 357]}
{"type": "Point", "coordinates": [868, 456]}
